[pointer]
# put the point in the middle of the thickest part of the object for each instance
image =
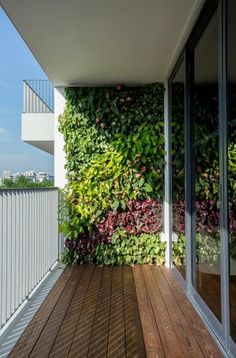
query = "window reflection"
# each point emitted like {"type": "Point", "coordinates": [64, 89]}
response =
{"type": "Point", "coordinates": [206, 134]}
{"type": "Point", "coordinates": [178, 177]}
{"type": "Point", "coordinates": [232, 159]}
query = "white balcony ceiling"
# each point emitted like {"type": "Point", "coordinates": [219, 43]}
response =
{"type": "Point", "coordinates": [102, 42]}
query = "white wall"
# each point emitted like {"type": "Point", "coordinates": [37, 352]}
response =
{"type": "Point", "coordinates": [37, 129]}
{"type": "Point", "coordinates": [59, 154]}
{"type": "Point", "coordinates": [37, 126]}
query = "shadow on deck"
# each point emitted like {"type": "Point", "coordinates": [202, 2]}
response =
{"type": "Point", "coordinates": [99, 312]}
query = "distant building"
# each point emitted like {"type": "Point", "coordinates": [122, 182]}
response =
{"type": "Point", "coordinates": [6, 174]}
{"type": "Point", "coordinates": [15, 176]}
{"type": "Point", "coordinates": [31, 175]}
{"type": "Point", "coordinates": [51, 178]}
{"type": "Point", "coordinates": [41, 176]}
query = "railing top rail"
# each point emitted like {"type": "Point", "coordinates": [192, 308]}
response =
{"type": "Point", "coordinates": [31, 80]}
{"type": "Point", "coordinates": [28, 189]}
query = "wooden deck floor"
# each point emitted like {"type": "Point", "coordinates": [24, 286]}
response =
{"type": "Point", "coordinates": [103, 312]}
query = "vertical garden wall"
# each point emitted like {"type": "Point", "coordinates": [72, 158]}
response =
{"type": "Point", "coordinates": [114, 144]}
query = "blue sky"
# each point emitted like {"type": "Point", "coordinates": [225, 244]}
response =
{"type": "Point", "coordinates": [16, 63]}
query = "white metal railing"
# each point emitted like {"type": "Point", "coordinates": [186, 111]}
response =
{"type": "Point", "coordinates": [38, 96]}
{"type": "Point", "coordinates": [28, 243]}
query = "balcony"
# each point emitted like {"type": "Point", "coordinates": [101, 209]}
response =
{"type": "Point", "coordinates": [38, 114]}
{"type": "Point", "coordinates": [91, 311]}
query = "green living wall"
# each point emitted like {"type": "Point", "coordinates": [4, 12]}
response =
{"type": "Point", "coordinates": [114, 144]}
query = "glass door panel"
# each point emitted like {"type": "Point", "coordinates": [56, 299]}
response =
{"type": "Point", "coordinates": [206, 275]}
{"type": "Point", "coordinates": [232, 159]}
{"type": "Point", "coordinates": [178, 168]}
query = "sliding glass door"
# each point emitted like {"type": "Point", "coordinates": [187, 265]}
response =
{"type": "Point", "coordinates": [203, 125]}
{"type": "Point", "coordinates": [178, 167]}
{"type": "Point", "coordinates": [206, 247]}
{"type": "Point", "coordinates": [232, 160]}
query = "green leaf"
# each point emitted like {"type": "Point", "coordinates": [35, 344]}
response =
{"type": "Point", "coordinates": [115, 204]}
{"type": "Point", "coordinates": [123, 205]}
{"type": "Point", "coordinates": [141, 182]}
{"type": "Point", "coordinates": [148, 188]}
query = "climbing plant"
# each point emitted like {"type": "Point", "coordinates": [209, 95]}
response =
{"type": "Point", "coordinates": [114, 145]}
{"type": "Point", "coordinates": [114, 148]}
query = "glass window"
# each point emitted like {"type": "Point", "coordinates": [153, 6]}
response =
{"type": "Point", "coordinates": [232, 158]}
{"type": "Point", "coordinates": [206, 275]}
{"type": "Point", "coordinates": [178, 177]}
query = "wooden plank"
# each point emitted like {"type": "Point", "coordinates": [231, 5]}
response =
{"type": "Point", "coordinates": [93, 312]}
{"type": "Point", "coordinates": [45, 341]}
{"type": "Point", "coordinates": [168, 335]}
{"type": "Point", "coordinates": [100, 331]}
{"type": "Point", "coordinates": [66, 333]}
{"type": "Point", "coordinates": [151, 335]}
{"type": "Point", "coordinates": [183, 331]}
{"type": "Point", "coordinates": [80, 344]}
{"type": "Point", "coordinates": [116, 340]}
{"type": "Point", "coordinates": [133, 330]}
{"type": "Point", "coordinates": [200, 332]}
{"type": "Point", "coordinates": [27, 340]}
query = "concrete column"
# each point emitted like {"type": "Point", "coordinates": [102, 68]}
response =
{"type": "Point", "coordinates": [59, 154]}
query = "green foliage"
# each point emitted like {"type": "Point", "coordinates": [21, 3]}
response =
{"type": "Point", "coordinates": [93, 116]}
{"type": "Point", "coordinates": [207, 183]}
{"type": "Point", "coordinates": [208, 249]}
{"type": "Point", "coordinates": [107, 184]}
{"type": "Point", "coordinates": [126, 249]}
{"type": "Point", "coordinates": [23, 182]}
{"type": "Point", "coordinates": [232, 176]}
{"type": "Point", "coordinates": [68, 257]}
{"type": "Point", "coordinates": [114, 144]}
{"type": "Point", "coordinates": [179, 250]}
{"type": "Point", "coordinates": [144, 150]}
{"type": "Point", "coordinates": [83, 141]}
{"type": "Point", "coordinates": [123, 249]}
{"type": "Point", "coordinates": [177, 134]}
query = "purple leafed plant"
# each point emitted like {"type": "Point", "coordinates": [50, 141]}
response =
{"type": "Point", "coordinates": [86, 243]}
{"type": "Point", "coordinates": [140, 216]}
{"type": "Point", "coordinates": [207, 218]}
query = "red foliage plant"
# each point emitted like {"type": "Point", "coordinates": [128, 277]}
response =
{"type": "Point", "coordinates": [207, 218]}
{"type": "Point", "coordinates": [86, 243]}
{"type": "Point", "coordinates": [140, 216]}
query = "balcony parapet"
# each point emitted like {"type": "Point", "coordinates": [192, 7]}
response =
{"type": "Point", "coordinates": [38, 96]}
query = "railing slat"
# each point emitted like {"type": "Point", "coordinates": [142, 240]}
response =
{"type": "Point", "coordinates": [38, 96]}
{"type": "Point", "coordinates": [28, 243]}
